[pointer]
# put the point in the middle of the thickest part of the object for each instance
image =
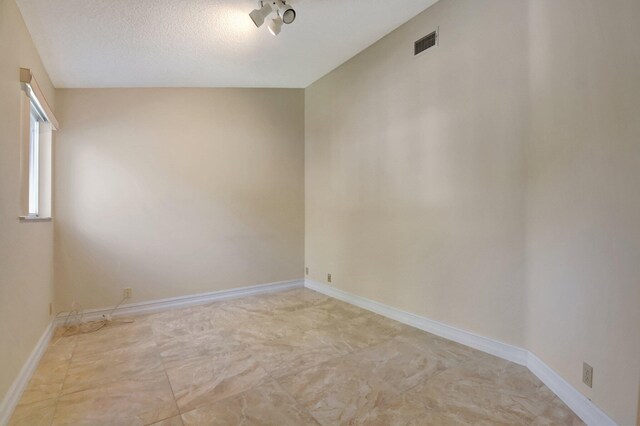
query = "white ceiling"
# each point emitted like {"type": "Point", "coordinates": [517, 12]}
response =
{"type": "Point", "coordinates": [202, 43]}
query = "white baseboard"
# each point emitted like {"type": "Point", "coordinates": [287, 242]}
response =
{"type": "Point", "coordinates": [581, 405]}
{"type": "Point", "coordinates": [499, 349]}
{"type": "Point", "coordinates": [184, 301]}
{"type": "Point", "coordinates": [18, 386]}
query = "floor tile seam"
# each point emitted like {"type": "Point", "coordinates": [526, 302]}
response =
{"type": "Point", "coordinates": [298, 402]}
{"type": "Point", "coordinates": [502, 372]}
{"type": "Point", "coordinates": [66, 374]}
{"type": "Point", "coordinates": [498, 389]}
{"type": "Point", "coordinates": [337, 355]}
{"type": "Point", "coordinates": [260, 383]}
{"type": "Point", "coordinates": [108, 382]}
{"type": "Point", "coordinates": [55, 408]}
{"type": "Point", "coordinates": [106, 351]}
{"type": "Point", "coordinates": [534, 416]}
{"type": "Point", "coordinates": [100, 385]}
{"type": "Point", "coordinates": [35, 401]}
{"type": "Point", "coordinates": [426, 380]}
{"type": "Point", "coordinates": [56, 398]}
{"type": "Point", "coordinates": [105, 354]}
{"type": "Point", "coordinates": [173, 394]}
{"type": "Point", "coordinates": [200, 359]}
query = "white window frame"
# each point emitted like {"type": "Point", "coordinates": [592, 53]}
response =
{"type": "Point", "coordinates": [36, 117]}
{"type": "Point", "coordinates": [37, 124]}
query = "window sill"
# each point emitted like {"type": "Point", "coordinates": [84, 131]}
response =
{"type": "Point", "coordinates": [35, 219]}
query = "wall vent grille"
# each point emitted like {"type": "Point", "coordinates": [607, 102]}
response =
{"type": "Point", "coordinates": [425, 42]}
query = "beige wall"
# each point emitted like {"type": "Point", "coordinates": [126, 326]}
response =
{"type": "Point", "coordinates": [26, 249]}
{"type": "Point", "coordinates": [583, 215]}
{"type": "Point", "coordinates": [177, 191]}
{"type": "Point", "coordinates": [489, 183]}
{"type": "Point", "coordinates": [415, 166]}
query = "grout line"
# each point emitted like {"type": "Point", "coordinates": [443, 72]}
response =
{"type": "Point", "coordinates": [298, 403]}
{"type": "Point", "coordinates": [164, 370]}
{"type": "Point", "coordinates": [64, 380]}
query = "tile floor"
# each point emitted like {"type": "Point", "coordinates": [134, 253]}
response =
{"type": "Point", "coordinates": [289, 358]}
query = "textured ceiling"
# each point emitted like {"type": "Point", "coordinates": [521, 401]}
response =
{"type": "Point", "coordinates": [202, 43]}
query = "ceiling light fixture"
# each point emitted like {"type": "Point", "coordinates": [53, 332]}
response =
{"type": "Point", "coordinates": [285, 14]}
{"type": "Point", "coordinates": [258, 15]}
{"type": "Point", "coordinates": [286, 11]}
{"type": "Point", "coordinates": [275, 25]}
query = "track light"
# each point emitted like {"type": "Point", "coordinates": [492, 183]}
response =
{"type": "Point", "coordinates": [287, 12]}
{"type": "Point", "coordinates": [258, 15]}
{"type": "Point", "coordinates": [285, 15]}
{"type": "Point", "coordinates": [275, 26]}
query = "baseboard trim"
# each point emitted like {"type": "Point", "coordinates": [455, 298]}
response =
{"type": "Point", "coordinates": [18, 386]}
{"type": "Point", "coordinates": [581, 405]}
{"type": "Point", "coordinates": [584, 408]}
{"type": "Point", "coordinates": [499, 349]}
{"type": "Point", "coordinates": [184, 301]}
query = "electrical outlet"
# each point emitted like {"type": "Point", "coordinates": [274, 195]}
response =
{"type": "Point", "coordinates": [328, 278]}
{"type": "Point", "coordinates": [127, 293]}
{"type": "Point", "coordinates": [587, 374]}
{"type": "Point", "coordinates": [306, 270]}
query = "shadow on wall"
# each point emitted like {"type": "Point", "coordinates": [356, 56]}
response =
{"type": "Point", "coordinates": [169, 193]}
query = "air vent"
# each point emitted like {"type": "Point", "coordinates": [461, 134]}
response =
{"type": "Point", "coordinates": [425, 42]}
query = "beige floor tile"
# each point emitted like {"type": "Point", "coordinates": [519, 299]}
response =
{"type": "Point", "coordinates": [98, 369]}
{"type": "Point", "coordinates": [179, 350]}
{"type": "Point", "coordinates": [360, 333]}
{"type": "Point", "coordinates": [252, 332]}
{"type": "Point", "coordinates": [295, 357]}
{"type": "Point", "coordinates": [424, 341]}
{"type": "Point", "coordinates": [300, 351]}
{"type": "Point", "coordinates": [397, 411]}
{"type": "Point", "coordinates": [204, 380]}
{"type": "Point", "coordinates": [221, 318]}
{"type": "Point", "coordinates": [251, 308]}
{"type": "Point", "coordinates": [267, 404]}
{"type": "Point", "coordinates": [184, 322]}
{"type": "Point", "coordinates": [483, 391]}
{"type": "Point", "coordinates": [294, 300]}
{"type": "Point", "coordinates": [38, 413]}
{"type": "Point", "coordinates": [47, 380]}
{"type": "Point", "coordinates": [337, 392]}
{"type": "Point", "coordinates": [556, 413]}
{"type": "Point", "coordinates": [139, 401]}
{"type": "Point", "coordinates": [326, 313]}
{"type": "Point", "coordinates": [114, 336]}
{"type": "Point", "coordinates": [401, 365]}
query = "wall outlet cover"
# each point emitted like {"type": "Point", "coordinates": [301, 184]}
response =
{"type": "Point", "coordinates": [587, 374]}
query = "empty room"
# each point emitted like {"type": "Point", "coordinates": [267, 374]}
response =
{"type": "Point", "coordinates": [337, 212]}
